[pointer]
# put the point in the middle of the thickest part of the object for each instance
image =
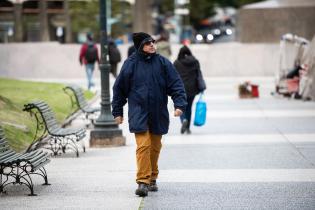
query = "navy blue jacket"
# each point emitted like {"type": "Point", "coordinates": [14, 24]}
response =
{"type": "Point", "coordinates": [146, 82]}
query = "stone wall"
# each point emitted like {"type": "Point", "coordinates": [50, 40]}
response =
{"type": "Point", "coordinates": [54, 61]}
{"type": "Point", "coordinates": [237, 59]}
{"type": "Point", "coordinates": [40, 60]}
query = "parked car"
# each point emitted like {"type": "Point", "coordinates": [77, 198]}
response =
{"type": "Point", "coordinates": [211, 35]}
{"type": "Point", "coordinates": [206, 36]}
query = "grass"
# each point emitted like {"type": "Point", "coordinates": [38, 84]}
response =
{"type": "Point", "coordinates": [19, 126]}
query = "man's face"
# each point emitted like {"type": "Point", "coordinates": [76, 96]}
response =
{"type": "Point", "coordinates": [149, 47]}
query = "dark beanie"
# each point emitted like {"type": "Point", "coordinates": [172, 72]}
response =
{"type": "Point", "coordinates": [140, 38]}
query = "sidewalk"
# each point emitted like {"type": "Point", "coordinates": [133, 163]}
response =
{"type": "Point", "coordinates": [251, 154]}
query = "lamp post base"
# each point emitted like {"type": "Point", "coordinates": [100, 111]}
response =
{"type": "Point", "coordinates": [106, 137]}
{"type": "Point", "coordinates": [106, 132]}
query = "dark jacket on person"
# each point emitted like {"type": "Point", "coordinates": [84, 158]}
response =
{"type": "Point", "coordinates": [84, 50]}
{"type": "Point", "coordinates": [145, 81]}
{"type": "Point", "coordinates": [187, 68]}
{"type": "Point", "coordinates": [113, 53]}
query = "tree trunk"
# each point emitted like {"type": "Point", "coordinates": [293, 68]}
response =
{"type": "Point", "coordinates": [68, 22]}
{"type": "Point", "coordinates": [142, 16]}
{"type": "Point", "coordinates": [44, 30]}
{"type": "Point", "coordinates": [18, 27]}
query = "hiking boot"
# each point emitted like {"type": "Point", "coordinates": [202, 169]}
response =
{"type": "Point", "coordinates": [153, 186]}
{"type": "Point", "coordinates": [142, 190]}
{"type": "Point", "coordinates": [184, 126]}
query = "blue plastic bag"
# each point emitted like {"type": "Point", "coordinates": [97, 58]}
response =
{"type": "Point", "coordinates": [201, 112]}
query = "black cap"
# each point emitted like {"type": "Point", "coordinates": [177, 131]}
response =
{"type": "Point", "coordinates": [140, 38]}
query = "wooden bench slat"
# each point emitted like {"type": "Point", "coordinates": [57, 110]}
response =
{"type": "Point", "coordinates": [4, 148]}
{"type": "Point", "coordinates": [36, 156]}
{"type": "Point", "coordinates": [4, 155]}
{"type": "Point", "coordinates": [40, 165]}
{"type": "Point", "coordinates": [3, 143]}
{"type": "Point", "coordinates": [30, 154]}
{"type": "Point", "coordinates": [11, 158]}
{"type": "Point", "coordinates": [38, 162]}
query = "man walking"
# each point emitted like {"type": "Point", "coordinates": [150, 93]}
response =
{"type": "Point", "coordinates": [146, 80]}
{"type": "Point", "coordinates": [88, 57]}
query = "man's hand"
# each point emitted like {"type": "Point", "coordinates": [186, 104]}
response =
{"type": "Point", "coordinates": [178, 112]}
{"type": "Point", "coordinates": [119, 120]}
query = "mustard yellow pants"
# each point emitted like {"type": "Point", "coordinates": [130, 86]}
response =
{"type": "Point", "coordinates": [148, 151]}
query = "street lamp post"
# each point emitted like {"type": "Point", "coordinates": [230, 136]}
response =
{"type": "Point", "coordinates": [106, 131]}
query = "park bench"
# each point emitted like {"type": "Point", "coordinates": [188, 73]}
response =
{"type": "Point", "coordinates": [77, 98]}
{"type": "Point", "coordinates": [59, 138]}
{"type": "Point", "coordinates": [17, 168]}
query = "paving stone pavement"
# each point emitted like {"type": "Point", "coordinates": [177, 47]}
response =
{"type": "Point", "coordinates": [251, 154]}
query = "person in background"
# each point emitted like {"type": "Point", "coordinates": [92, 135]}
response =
{"type": "Point", "coordinates": [146, 80]}
{"type": "Point", "coordinates": [295, 71]}
{"type": "Point", "coordinates": [88, 56]}
{"type": "Point", "coordinates": [114, 56]}
{"type": "Point", "coordinates": [188, 68]}
{"type": "Point", "coordinates": [163, 45]}
{"type": "Point", "coordinates": [131, 50]}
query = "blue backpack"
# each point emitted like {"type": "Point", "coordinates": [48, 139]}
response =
{"type": "Point", "coordinates": [201, 112]}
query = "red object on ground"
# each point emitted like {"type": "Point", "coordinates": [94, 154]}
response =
{"type": "Point", "coordinates": [255, 91]}
{"type": "Point", "coordinates": [293, 85]}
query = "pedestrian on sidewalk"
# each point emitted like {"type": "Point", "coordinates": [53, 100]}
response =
{"type": "Point", "coordinates": [131, 50]}
{"type": "Point", "coordinates": [89, 56]}
{"type": "Point", "coordinates": [163, 46]}
{"type": "Point", "coordinates": [147, 79]}
{"type": "Point", "coordinates": [114, 57]}
{"type": "Point", "coordinates": [188, 68]}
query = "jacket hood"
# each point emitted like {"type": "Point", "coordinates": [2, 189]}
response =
{"type": "Point", "coordinates": [183, 52]}
{"type": "Point", "coordinates": [189, 60]}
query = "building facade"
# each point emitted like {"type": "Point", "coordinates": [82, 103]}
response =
{"type": "Point", "coordinates": [267, 21]}
{"type": "Point", "coordinates": [35, 21]}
